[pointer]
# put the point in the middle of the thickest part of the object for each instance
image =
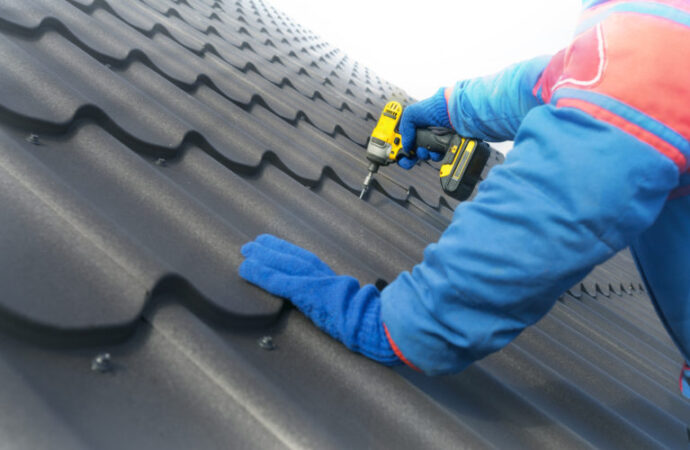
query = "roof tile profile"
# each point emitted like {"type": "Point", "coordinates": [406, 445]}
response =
{"type": "Point", "coordinates": [142, 142]}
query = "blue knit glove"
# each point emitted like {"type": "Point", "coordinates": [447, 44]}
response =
{"type": "Point", "coordinates": [432, 112]}
{"type": "Point", "coordinates": [336, 304]}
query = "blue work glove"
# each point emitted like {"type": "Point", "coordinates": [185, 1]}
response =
{"type": "Point", "coordinates": [432, 112]}
{"type": "Point", "coordinates": [336, 304]}
{"type": "Point", "coordinates": [421, 154]}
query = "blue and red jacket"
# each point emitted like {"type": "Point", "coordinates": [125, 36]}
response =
{"type": "Point", "coordinates": [600, 163]}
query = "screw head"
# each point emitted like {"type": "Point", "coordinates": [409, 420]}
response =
{"type": "Point", "coordinates": [33, 139]}
{"type": "Point", "coordinates": [266, 342]}
{"type": "Point", "coordinates": [102, 363]}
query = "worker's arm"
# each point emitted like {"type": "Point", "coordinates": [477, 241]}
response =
{"type": "Point", "coordinates": [489, 108]}
{"type": "Point", "coordinates": [590, 171]}
{"type": "Point", "coordinates": [492, 107]}
{"type": "Point", "coordinates": [574, 191]}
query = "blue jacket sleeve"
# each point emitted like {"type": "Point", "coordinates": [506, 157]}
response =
{"type": "Point", "coordinates": [572, 192]}
{"type": "Point", "coordinates": [492, 107]}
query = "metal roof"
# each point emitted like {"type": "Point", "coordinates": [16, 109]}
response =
{"type": "Point", "coordinates": [142, 142]}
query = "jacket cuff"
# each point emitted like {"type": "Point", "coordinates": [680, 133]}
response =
{"type": "Point", "coordinates": [397, 351]}
{"type": "Point", "coordinates": [438, 109]}
{"type": "Point", "coordinates": [448, 94]}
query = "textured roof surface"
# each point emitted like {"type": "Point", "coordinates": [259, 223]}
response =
{"type": "Point", "coordinates": [142, 142]}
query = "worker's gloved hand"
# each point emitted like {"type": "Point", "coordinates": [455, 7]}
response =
{"type": "Point", "coordinates": [432, 112]}
{"type": "Point", "coordinates": [421, 154]}
{"type": "Point", "coordinates": [336, 304]}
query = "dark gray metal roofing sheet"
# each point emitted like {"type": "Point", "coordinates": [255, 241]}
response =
{"type": "Point", "coordinates": [167, 134]}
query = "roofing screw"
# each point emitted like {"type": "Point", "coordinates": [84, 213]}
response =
{"type": "Point", "coordinates": [33, 139]}
{"type": "Point", "coordinates": [160, 162]}
{"type": "Point", "coordinates": [102, 363]}
{"type": "Point", "coordinates": [266, 342]}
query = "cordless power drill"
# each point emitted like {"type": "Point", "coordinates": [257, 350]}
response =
{"type": "Point", "coordinates": [463, 163]}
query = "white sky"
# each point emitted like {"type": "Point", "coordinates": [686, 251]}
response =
{"type": "Point", "coordinates": [421, 46]}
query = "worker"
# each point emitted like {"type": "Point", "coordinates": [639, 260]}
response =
{"type": "Point", "coordinates": [600, 163]}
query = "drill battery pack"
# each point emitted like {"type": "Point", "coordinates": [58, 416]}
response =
{"type": "Point", "coordinates": [465, 164]}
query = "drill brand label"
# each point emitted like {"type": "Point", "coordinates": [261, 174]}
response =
{"type": "Point", "coordinates": [463, 154]}
{"type": "Point", "coordinates": [464, 160]}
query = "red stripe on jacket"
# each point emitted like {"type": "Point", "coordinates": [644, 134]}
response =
{"type": "Point", "coordinates": [397, 351]}
{"type": "Point", "coordinates": [637, 59]}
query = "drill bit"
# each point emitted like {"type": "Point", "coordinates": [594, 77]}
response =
{"type": "Point", "coordinates": [373, 168]}
{"type": "Point", "coordinates": [365, 187]}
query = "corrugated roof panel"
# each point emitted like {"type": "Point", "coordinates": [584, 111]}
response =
{"type": "Point", "coordinates": [143, 142]}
